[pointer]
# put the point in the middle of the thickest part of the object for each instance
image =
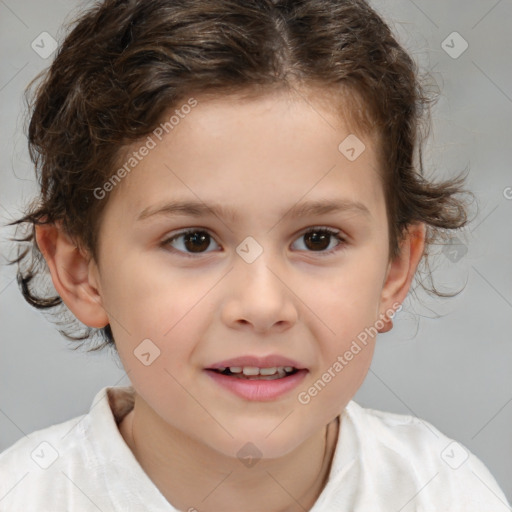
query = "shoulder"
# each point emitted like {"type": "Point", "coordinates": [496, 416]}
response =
{"type": "Point", "coordinates": [410, 461]}
{"type": "Point", "coordinates": [82, 464]}
{"type": "Point", "coordinates": [38, 460]}
{"type": "Point", "coordinates": [40, 446]}
{"type": "Point", "coordinates": [45, 463]}
{"type": "Point", "coordinates": [408, 436]}
{"type": "Point", "coordinates": [403, 432]}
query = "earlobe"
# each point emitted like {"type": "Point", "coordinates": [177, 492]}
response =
{"type": "Point", "coordinates": [402, 268]}
{"type": "Point", "coordinates": [71, 275]}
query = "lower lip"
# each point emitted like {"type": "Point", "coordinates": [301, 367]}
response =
{"type": "Point", "coordinates": [258, 390]}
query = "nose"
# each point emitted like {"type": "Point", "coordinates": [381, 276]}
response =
{"type": "Point", "coordinates": [258, 297]}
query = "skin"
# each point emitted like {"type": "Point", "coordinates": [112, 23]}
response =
{"type": "Point", "coordinates": [260, 157]}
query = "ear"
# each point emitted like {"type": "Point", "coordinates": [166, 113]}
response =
{"type": "Point", "coordinates": [74, 274]}
{"type": "Point", "coordinates": [402, 268]}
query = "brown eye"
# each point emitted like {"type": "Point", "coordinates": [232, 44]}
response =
{"type": "Point", "coordinates": [190, 242]}
{"type": "Point", "coordinates": [197, 241]}
{"type": "Point", "coordinates": [317, 241]}
{"type": "Point", "coordinates": [320, 240]}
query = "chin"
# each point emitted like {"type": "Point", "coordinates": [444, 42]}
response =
{"type": "Point", "coordinates": [263, 441]}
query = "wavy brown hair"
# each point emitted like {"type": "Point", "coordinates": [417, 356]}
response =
{"type": "Point", "coordinates": [125, 62]}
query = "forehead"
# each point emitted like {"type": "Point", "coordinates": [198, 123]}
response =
{"type": "Point", "coordinates": [252, 153]}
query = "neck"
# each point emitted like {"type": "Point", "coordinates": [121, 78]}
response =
{"type": "Point", "coordinates": [192, 475]}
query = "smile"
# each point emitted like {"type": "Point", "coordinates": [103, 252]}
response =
{"type": "Point", "coordinates": [255, 373]}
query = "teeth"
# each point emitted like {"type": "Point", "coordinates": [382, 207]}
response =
{"type": "Point", "coordinates": [252, 371]}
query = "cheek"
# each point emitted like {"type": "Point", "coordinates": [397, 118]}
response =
{"type": "Point", "coordinates": [155, 320]}
{"type": "Point", "coordinates": [347, 302]}
{"type": "Point", "coordinates": [347, 310]}
{"type": "Point", "coordinates": [151, 300]}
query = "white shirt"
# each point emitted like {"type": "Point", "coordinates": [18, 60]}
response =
{"type": "Point", "coordinates": [382, 462]}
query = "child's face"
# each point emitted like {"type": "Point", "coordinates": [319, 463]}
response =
{"type": "Point", "coordinates": [204, 301]}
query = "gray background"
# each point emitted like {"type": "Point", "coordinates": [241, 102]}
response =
{"type": "Point", "coordinates": [446, 361]}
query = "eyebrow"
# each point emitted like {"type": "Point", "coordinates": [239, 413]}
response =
{"type": "Point", "coordinates": [199, 209]}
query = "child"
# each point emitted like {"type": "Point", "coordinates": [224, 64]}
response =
{"type": "Point", "coordinates": [279, 139]}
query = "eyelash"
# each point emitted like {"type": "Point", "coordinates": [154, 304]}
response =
{"type": "Point", "coordinates": [319, 230]}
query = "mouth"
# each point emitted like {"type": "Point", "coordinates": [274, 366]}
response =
{"type": "Point", "coordinates": [256, 373]}
{"type": "Point", "coordinates": [258, 378]}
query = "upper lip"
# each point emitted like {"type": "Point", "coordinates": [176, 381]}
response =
{"type": "Point", "coordinates": [269, 361]}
